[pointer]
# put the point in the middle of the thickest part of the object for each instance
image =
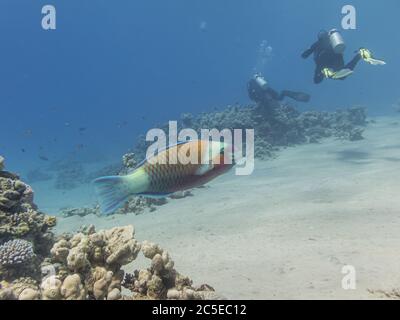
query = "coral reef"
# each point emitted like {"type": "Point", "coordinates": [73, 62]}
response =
{"type": "Point", "coordinates": [162, 281]}
{"type": "Point", "coordinates": [138, 205]}
{"type": "Point", "coordinates": [274, 128]}
{"type": "Point", "coordinates": [24, 231]}
{"type": "Point", "coordinates": [81, 212]}
{"type": "Point", "coordinates": [17, 258]}
{"type": "Point", "coordinates": [19, 217]}
{"type": "Point", "coordinates": [129, 163]}
{"type": "Point", "coordinates": [135, 205]}
{"type": "Point", "coordinates": [34, 264]}
{"type": "Point", "coordinates": [88, 265]}
{"type": "Point", "coordinates": [23, 288]}
{"type": "Point", "coordinates": [1, 163]}
{"type": "Point", "coordinates": [347, 125]}
{"type": "Point", "coordinates": [16, 252]}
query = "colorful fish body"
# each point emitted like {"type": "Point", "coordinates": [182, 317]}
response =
{"type": "Point", "coordinates": [180, 167]}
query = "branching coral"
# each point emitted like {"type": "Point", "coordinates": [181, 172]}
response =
{"type": "Point", "coordinates": [16, 252]}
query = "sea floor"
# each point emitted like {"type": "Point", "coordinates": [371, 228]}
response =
{"type": "Point", "coordinates": [287, 230]}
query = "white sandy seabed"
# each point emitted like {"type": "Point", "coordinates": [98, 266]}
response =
{"type": "Point", "coordinates": [287, 230]}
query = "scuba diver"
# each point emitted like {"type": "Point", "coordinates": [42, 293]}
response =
{"type": "Point", "coordinates": [328, 56]}
{"type": "Point", "coordinates": [261, 93]}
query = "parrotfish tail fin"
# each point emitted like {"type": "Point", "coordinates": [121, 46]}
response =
{"type": "Point", "coordinates": [112, 192]}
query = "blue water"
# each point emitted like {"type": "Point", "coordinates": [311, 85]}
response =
{"type": "Point", "coordinates": [118, 68]}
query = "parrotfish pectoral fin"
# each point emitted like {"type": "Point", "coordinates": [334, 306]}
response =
{"type": "Point", "coordinates": [113, 191]}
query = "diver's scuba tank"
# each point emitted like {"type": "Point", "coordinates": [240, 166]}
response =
{"type": "Point", "coordinates": [336, 41]}
{"type": "Point", "coordinates": [260, 80]}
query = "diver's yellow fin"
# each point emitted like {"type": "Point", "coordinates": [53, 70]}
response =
{"type": "Point", "coordinates": [376, 62]}
{"type": "Point", "coordinates": [328, 73]}
{"type": "Point", "coordinates": [344, 73]}
{"type": "Point", "coordinates": [367, 56]}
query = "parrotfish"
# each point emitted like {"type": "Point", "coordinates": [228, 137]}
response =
{"type": "Point", "coordinates": [167, 172]}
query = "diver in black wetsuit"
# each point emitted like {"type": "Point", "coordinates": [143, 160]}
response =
{"type": "Point", "coordinates": [261, 93]}
{"type": "Point", "coordinates": [328, 56]}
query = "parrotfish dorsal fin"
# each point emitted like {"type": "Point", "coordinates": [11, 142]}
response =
{"type": "Point", "coordinates": [144, 161]}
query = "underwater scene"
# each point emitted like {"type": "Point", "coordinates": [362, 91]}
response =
{"type": "Point", "coordinates": [199, 150]}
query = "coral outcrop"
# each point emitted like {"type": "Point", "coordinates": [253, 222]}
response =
{"type": "Point", "coordinates": [88, 265]}
{"type": "Point", "coordinates": [16, 252]}
{"type": "Point", "coordinates": [129, 161]}
{"type": "Point", "coordinates": [19, 217]}
{"type": "Point", "coordinates": [80, 212]}
{"type": "Point", "coordinates": [162, 281]}
{"type": "Point", "coordinates": [34, 264]}
{"type": "Point", "coordinates": [135, 205]}
{"type": "Point", "coordinates": [274, 128]}
{"type": "Point", "coordinates": [25, 236]}
{"type": "Point", "coordinates": [347, 125]}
